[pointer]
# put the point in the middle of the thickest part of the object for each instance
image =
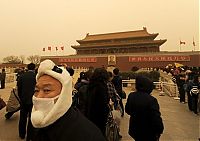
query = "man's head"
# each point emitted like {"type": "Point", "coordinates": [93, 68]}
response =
{"type": "Point", "coordinates": [53, 94]}
{"type": "Point", "coordinates": [116, 71]}
{"type": "Point", "coordinates": [31, 66]}
{"type": "Point", "coordinates": [144, 84]}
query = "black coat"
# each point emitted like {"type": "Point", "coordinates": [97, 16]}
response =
{"type": "Point", "coordinates": [72, 126]}
{"type": "Point", "coordinates": [83, 99]}
{"type": "Point", "coordinates": [145, 118]}
{"type": "Point", "coordinates": [26, 86]}
{"type": "Point", "coordinates": [98, 101]}
{"type": "Point", "coordinates": [117, 82]}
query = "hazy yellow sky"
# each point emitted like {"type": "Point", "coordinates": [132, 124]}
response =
{"type": "Point", "coordinates": [27, 26]}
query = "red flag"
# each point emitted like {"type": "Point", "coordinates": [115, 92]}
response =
{"type": "Point", "coordinates": [62, 48]}
{"type": "Point", "coordinates": [43, 49]}
{"type": "Point", "coordinates": [56, 48]}
{"type": "Point", "coordinates": [181, 42]}
{"type": "Point", "coordinates": [49, 48]}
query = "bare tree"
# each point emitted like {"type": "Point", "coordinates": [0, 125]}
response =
{"type": "Point", "coordinates": [22, 58]}
{"type": "Point", "coordinates": [34, 59]}
{"type": "Point", "coordinates": [12, 59]}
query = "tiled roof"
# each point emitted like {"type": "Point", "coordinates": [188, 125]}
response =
{"type": "Point", "coordinates": [158, 42]}
{"type": "Point", "coordinates": [118, 35]}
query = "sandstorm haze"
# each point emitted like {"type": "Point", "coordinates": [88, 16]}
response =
{"type": "Point", "coordinates": [28, 26]}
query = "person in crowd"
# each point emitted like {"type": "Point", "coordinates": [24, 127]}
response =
{"type": "Point", "coordinates": [113, 95]}
{"type": "Point", "coordinates": [81, 80]}
{"type": "Point", "coordinates": [180, 83]}
{"type": "Point", "coordinates": [194, 90]}
{"type": "Point", "coordinates": [145, 118]}
{"type": "Point", "coordinates": [3, 78]}
{"type": "Point", "coordinates": [26, 86]}
{"type": "Point", "coordinates": [53, 117]}
{"type": "Point", "coordinates": [82, 94]}
{"type": "Point", "coordinates": [189, 76]}
{"type": "Point", "coordinates": [117, 82]}
{"type": "Point", "coordinates": [114, 101]}
{"type": "Point", "coordinates": [98, 99]}
{"type": "Point", "coordinates": [19, 73]}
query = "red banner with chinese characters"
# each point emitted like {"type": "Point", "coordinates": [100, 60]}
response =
{"type": "Point", "coordinates": [158, 58]}
{"type": "Point", "coordinates": [78, 60]}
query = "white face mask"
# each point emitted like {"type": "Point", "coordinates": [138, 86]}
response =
{"type": "Point", "coordinates": [44, 105]}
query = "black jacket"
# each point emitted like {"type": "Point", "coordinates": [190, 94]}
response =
{"type": "Point", "coordinates": [145, 120]}
{"type": "Point", "coordinates": [117, 82]}
{"type": "Point", "coordinates": [73, 126]}
{"type": "Point", "coordinates": [26, 86]}
{"type": "Point", "coordinates": [98, 101]}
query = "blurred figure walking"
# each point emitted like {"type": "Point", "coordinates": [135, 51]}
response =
{"type": "Point", "coordinates": [3, 78]}
{"type": "Point", "coordinates": [145, 118]}
{"type": "Point", "coordinates": [26, 86]}
{"type": "Point", "coordinates": [117, 82]}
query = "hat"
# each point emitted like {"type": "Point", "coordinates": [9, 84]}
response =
{"type": "Point", "coordinates": [47, 67]}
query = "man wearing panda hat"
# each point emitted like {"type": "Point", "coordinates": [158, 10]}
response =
{"type": "Point", "coordinates": [52, 115]}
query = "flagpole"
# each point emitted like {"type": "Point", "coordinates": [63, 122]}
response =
{"type": "Point", "coordinates": [193, 43]}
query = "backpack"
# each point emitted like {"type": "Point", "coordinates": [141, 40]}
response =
{"type": "Point", "coordinates": [194, 90]}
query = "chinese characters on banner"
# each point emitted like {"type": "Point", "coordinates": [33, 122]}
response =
{"type": "Point", "coordinates": [50, 48]}
{"type": "Point", "coordinates": [88, 59]}
{"type": "Point", "coordinates": [158, 58]}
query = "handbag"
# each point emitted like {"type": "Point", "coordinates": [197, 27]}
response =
{"type": "Point", "coordinates": [2, 103]}
{"type": "Point", "coordinates": [13, 103]}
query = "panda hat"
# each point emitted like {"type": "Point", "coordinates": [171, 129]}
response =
{"type": "Point", "coordinates": [47, 67]}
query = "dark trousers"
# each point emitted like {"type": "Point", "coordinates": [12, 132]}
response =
{"type": "Point", "coordinates": [194, 103]}
{"type": "Point", "coordinates": [189, 101]}
{"type": "Point", "coordinates": [182, 94]}
{"type": "Point", "coordinates": [25, 112]}
{"type": "Point", "coordinates": [2, 84]}
{"type": "Point", "coordinates": [122, 106]}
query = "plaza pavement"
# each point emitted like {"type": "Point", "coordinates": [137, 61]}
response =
{"type": "Point", "coordinates": [180, 124]}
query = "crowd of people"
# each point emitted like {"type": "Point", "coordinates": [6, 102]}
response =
{"type": "Point", "coordinates": [53, 108]}
{"type": "Point", "coordinates": [188, 83]}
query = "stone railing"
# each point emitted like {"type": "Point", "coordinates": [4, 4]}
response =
{"type": "Point", "coordinates": [167, 85]}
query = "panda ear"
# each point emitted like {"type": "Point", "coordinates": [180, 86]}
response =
{"type": "Point", "coordinates": [57, 69]}
{"type": "Point", "coordinates": [46, 65]}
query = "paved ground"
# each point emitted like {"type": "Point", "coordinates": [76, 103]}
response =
{"type": "Point", "coordinates": [180, 124]}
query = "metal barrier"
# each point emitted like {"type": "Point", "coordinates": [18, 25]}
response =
{"type": "Point", "coordinates": [164, 87]}
{"type": "Point", "coordinates": [168, 88]}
